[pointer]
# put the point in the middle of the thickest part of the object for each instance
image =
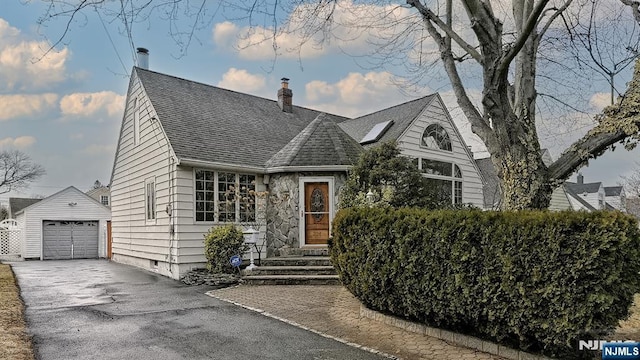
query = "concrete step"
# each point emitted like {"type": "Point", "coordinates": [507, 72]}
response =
{"type": "Point", "coordinates": [291, 280]}
{"type": "Point", "coordinates": [305, 251]}
{"type": "Point", "coordinates": [292, 270]}
{"type": "Point", "coordinates": [296, 261]}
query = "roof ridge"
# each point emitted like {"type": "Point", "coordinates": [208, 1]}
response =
{"type": "Point", "coordinates": [236, 92]}
{"type": "Point", "coordinates": [395, 106]}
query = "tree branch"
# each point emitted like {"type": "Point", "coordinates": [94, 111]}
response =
{"type": "Point", "coordinates": [430, 16]}
{"type": "Point", "coordinates": [635, 8]}
{"type": "Point", "coordinates": [478, 124]}
{"type": "Point", "coordinates": [617, 123]}
{"type": "Point", "coordinates": [553, 17]}
{"type": "Point", "coordinates": [525, 34]}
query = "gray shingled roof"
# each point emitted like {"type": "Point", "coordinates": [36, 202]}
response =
{"type": "Point", "coordinates": [612, 190]}
{"type": "Point", "coordinates": [17, 204]}
{"type": "Point", "coordinates": [321, 143]}
{"type": "Point", "coordinates": [490, 190]}
{"type": "Point", "coordinates": [589, 188]}
{"type": "Point", "coordinates": [568, 189]}
{"type": "Point", "coordinates": [207, 123]}
{"type": "Point", "coordinates": [402, 116]}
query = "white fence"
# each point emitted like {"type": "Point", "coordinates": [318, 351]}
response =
{"type": "Point", "coordinates": [10, 239]}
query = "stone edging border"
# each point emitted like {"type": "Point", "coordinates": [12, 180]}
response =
{"type": "Point", "coordinates": [290, 322]}
{"type": "Point", "coordinates": [450, 337]}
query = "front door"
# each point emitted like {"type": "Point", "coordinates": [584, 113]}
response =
{"type": "Point", "coordinates": [316, 213]}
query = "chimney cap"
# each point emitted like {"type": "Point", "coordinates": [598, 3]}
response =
{"type": "Point", "coordinates": [142, 50]}
{"type": "Point", "coordinates": [284, 79]}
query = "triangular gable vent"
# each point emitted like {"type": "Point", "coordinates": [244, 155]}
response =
{"type": "Point", "coordinates": [376, 132]}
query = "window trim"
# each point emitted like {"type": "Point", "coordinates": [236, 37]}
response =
{"type": "Point", "coordinates": [154, 201]}
{"type": "Point", "coordinates": [107, 200]}
{"type": "Point", "coordinates": [216, 192]}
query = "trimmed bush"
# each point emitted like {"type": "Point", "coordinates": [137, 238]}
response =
{"type": "Point", "coordinates": [534, 280]}
{"type": "Point", "coordinates": [220, 244]}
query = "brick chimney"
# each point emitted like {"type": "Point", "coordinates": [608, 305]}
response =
{"type": "Point", "coordinates": [143, 58]}
{"type": "Point", "coordinates": [580, 178]}
{"type": "Point", "coordinates": [285, 96]}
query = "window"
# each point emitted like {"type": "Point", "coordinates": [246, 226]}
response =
{"type": "Point", "coordinates": [436, 137]}
{"type": "Point", "coordinates": [224, 197]}
{"type": "Point", "coordinates": [150, 199]}
{"type": "Point", "coordinates": [104, 200]}
{"type": "Point", "coordinates": [136, 122]}
{"type": "Point", "coordinates": [445, 178]}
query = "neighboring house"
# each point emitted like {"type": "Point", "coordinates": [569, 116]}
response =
{"type": "Point", "coordinates": [191, 156]}
{"type": "Point", "coordinates": [17, 204]}
{"type": "Point", "coordinates": [614, 197]}
{"type": "Point", "coordinates": [595, 196]}
{"type": "Point", "coordinates": [101, 194]}
{"type": "Point", "coordinates": [66, 225]}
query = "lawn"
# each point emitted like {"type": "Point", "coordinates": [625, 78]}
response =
{"type": "Point", "coordinates": [15, 344]}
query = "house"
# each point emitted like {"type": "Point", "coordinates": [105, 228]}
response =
{"type": "Point", "coordinates": [17, 204]}
{"type": "Point", "coordinates": [598, 196]}
{"type": "Point", "coordinates": [66, 225]}
{"type": "Point", "coordinates": [191, 156]}
{"type": "Point", "coordinates": [102, 194]}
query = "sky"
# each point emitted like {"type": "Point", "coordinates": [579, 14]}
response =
{"type": "Point", "coordinates": [64, 109]}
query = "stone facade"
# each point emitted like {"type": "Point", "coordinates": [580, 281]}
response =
{"type": "Point", "coordinates": [283, 209]}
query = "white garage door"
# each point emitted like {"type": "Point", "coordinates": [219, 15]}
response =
{"type": "Point", "coordinates": [70, 240]}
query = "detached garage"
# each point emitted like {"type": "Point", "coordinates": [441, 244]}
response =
{"type": "Point", "coordinates": [67, 225]}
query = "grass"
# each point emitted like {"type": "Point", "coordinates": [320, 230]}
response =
{"type": "Point", "coordinates": [15, 344]}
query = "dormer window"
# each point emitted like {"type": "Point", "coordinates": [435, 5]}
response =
{"type": "Point", "coordinates": [436, 137]}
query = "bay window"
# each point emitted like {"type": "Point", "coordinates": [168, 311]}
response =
{"type": "Point", "coordinates": [224, 196]}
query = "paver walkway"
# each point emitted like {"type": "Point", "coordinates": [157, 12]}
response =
{"type": "Point", "coordinates": [332, 310]}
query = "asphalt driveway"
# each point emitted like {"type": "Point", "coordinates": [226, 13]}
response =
{"type": "Point", "coordinates": [95, 309]}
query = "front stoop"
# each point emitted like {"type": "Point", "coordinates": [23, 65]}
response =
{"type": "Point", "coordinates": [298, 270]}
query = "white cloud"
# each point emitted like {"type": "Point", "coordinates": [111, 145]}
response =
{"type": "Point", "coordinates": [91, 104]}
{"type": "Point", "coordinates": [241, 80]}
{"type": "Point", "coordinates": [304, 34]}
{"type": "Point", "coordinates": [21, 105]}
{"type": "Point", "coordinates": [21, 142]}
{"type": "Point", "coordinates": [95, 149]}
{"type": "Point", "coordinates": [22, 65]}
{"type": "Point", "coordinates": [599, 101]}
{"type": "Point", "coordinates": [357, 93]}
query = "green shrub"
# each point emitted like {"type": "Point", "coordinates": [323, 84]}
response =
{"type": "Point", "coordinates": [534, 280]}
{"type": "Point", "coordinates": [220, 244]}
{"type": "Point", "coordinates": [395, 180]}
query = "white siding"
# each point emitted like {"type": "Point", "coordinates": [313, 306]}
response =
{"type": "Point", "coordinates": [133, 235]}
{"type": "Point", "coordinates": [56, 207]}
{"type": "Point", "coordinates": [615, 201]}
{"type": "Point", "coordinates": [559, 200]}
{"type": "Point", "coordinates": [409, 143]}
{"type": "Point", "coordinates": [191, 244]}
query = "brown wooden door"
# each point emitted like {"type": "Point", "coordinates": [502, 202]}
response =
{"type": "Point", "coordinates": [109, 242]}
{"type": "Point", "coordinates": [316, 213]}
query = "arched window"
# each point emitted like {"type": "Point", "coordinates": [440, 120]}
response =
{"type": "Point", "coordinates": [436, 137]}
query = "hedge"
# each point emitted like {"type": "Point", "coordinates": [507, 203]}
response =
{"type": "Point", "coordinates": [534, 280]}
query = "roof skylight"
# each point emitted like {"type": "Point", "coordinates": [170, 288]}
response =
{"type": "Point", "coordinates": [376, 132]}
